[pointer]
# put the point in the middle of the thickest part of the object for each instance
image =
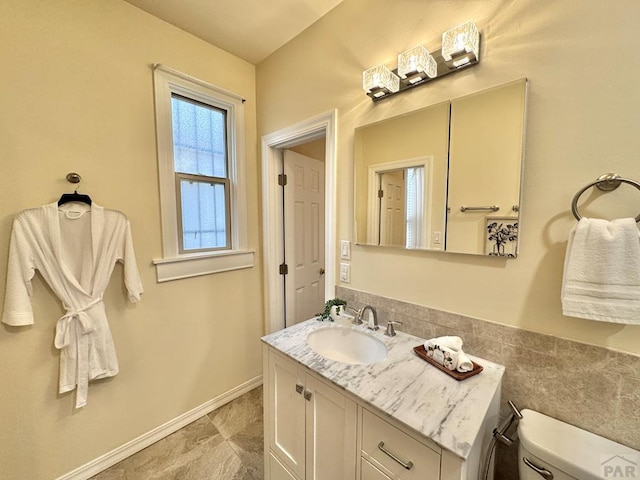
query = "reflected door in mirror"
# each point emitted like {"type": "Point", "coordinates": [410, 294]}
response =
{"type": "Point", "coordinates": [392, 209]}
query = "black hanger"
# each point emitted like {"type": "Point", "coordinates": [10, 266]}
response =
{"type": "Point", "coordinates": [74, 197]}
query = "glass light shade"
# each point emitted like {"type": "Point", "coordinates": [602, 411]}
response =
{"type": "Point", "coordinates": [417, 60]}
{"type": "Point", "coordinates": [379, 81]}
{"type": "Point", "coordinates": [461, 39]}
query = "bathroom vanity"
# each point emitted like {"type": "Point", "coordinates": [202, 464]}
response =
{"type": "Point", "coordinates": [396, 418]}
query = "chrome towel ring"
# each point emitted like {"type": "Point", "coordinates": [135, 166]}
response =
{"type": "Point", "coordinates": [606, 183]}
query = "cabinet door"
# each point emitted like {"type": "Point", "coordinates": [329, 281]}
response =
{"type": "Point", "coordinates": [331, 433]}
{"type": "Point", "coordinates": [277, 471]}
{"type": "Point", "coordinates": [287, 430]}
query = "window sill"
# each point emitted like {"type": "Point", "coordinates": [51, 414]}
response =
{"type": "Point", "coordinates": [186, 266]}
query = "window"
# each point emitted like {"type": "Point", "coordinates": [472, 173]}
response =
{"type": "Point", "coordinates": [414, 201]}
{"type": "Point", "coordinates": [201, 165]}
{"type": "Point", "coordinates": [202, 184]}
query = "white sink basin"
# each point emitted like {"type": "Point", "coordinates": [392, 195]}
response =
{"type": "Point", "coordinates": [347, 346]}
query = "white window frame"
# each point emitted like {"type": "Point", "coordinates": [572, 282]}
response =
{"type": "Point", "coordinates": [175, 265]}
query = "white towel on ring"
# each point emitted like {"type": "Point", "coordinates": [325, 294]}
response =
{"type": "Point", "coordinates": [602, 271]}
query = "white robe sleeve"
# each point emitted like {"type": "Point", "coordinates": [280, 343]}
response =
{"type": "Point", "coordinates": [20, 271]}
{"type": "Point", "coordinates": [131, 275]}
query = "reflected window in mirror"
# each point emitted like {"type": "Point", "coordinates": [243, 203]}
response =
{"type": "Point", "coordinates": [414, 182]}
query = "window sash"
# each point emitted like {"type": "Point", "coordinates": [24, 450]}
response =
{"type": "Point", "coordinates": [213, 181]}
{"type": "Point", "coordinates": [209, 147]}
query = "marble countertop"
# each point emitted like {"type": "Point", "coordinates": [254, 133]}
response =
{"type": "Point", "coordinates": [404, 386]}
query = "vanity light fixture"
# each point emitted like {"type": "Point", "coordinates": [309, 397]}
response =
{"type": "Point", "coordinates": [417, 66]}
{"type": "Point", "coordinates": [460, 45]}
{"type": "Point", "coordinates": [379, 80]}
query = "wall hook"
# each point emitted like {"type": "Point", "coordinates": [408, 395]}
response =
{"type": "Point", "coordinates": [73, 177]}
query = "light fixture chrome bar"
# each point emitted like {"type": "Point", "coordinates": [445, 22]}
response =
{"type": "Point", "coordinates": [493, 208]}
{"type": "Point", "coordinates": [444, 68]}
{"type": "Point", "coordinates": [460, 49]}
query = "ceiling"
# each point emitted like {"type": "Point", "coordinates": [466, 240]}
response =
{"type": "Point", "coordinates": [249, 29]}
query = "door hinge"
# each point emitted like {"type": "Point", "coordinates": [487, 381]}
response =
{"type": "Point", "coordinates": [284, 269]}
{"type": "Point", "coordinates": [380, 193]}
{"type": "Point", "coordinates": [282, 179]}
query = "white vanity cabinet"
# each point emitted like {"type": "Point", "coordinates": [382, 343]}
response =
{"type": "Point", "coordinates": [310, 427]}
{"type": "Point", "coordinates": [395, 419]}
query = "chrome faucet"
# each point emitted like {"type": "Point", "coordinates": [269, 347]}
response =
{"type": "Point", "coordinates": [360, 315]}
{"type": "Point", "coordinates": [375, 316]}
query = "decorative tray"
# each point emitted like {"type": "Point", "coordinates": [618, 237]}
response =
{"type": "Point", "coordinates": [422, 353]}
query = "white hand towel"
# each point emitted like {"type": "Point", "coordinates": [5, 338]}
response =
{"type": "Point", "coordinates": [464, 363]}
{"type": "Point", "coordinates": [453, 342]}
{"type": "Point", "coordinates": [602, 271]}
{"type": "Point", "coordinates": [451, 358]}
{"type": "Point", "coordinates": [445, 356]}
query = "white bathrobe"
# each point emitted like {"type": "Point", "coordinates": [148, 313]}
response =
{"type": "Point", "coordinates": [75, 248]}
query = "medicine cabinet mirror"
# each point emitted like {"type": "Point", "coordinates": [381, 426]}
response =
{"type": "Point", "coordinates": [446, 177]}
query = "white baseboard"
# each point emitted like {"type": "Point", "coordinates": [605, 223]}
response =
{"type": "Point", "coordinates": [109, 459]}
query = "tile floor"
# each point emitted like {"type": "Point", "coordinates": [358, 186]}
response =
{"type": "Point", "coordinates": [226, 444]}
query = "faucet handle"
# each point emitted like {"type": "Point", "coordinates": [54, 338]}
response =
{"type": "Point", "coordinates": [357, 320]}
{"type": "Point", "coordinates": [391, 331]}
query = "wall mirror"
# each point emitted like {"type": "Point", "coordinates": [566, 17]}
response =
{"type": "Point", "coordinates": [446, 177]}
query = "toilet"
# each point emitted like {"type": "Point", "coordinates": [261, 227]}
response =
{"type": "Point", "coordinates": [554, 450]}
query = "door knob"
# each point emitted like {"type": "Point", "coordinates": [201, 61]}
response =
{"type": "Point", "coordinates": [321, 270]}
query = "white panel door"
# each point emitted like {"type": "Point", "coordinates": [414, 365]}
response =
{"type": "Point", "coordinates": [392, 209]}
{"type": "Point", "coordinates": [304, 236]}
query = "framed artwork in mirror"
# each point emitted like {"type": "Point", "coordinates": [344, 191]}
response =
{"type": "Point", "coordinates": [501, 236]}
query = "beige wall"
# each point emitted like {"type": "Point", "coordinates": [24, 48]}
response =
{"type": "Point", "coordinates": [582, 122]}
{"type": "Point", "coordinates": [77, 95]}
{"type": "Point", "coordinates": [314, 149]}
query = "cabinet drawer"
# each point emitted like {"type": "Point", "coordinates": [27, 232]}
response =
{"type": "Point", "coordinates": [369, 472]}
{"type": "Point", "coordinates": [381, 442]}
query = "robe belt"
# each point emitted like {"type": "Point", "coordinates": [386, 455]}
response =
{"type": "Point", "coordinates": [77, 323]}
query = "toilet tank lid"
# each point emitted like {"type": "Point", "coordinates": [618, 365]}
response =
{"type": "Point", "coordinates": [572, 450]}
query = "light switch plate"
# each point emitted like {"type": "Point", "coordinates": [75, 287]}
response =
{"type": "Point", "coordinates": [345, 272]}
{"type": "Point", "coordinates": [345, 249]}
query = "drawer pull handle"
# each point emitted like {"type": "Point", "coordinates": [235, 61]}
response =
{"type": "Point", "coordinates": [299, 388]}
{"type": "Point", "coordinates": [407, 465]}
{"type": "Point", "coordinates": [307, 395]}
{"type": "Point", "coordinates": [543, 472]}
